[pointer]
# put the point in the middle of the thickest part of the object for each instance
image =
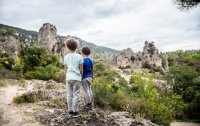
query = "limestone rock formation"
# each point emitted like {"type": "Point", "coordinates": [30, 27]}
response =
{"type": "Point", "coordinates": [47, 36]}
{"type": "Point", "coordinates": [123, 119]}
{"type": "Point", "coordinates": [148, 58]}
{"type": "Point", "coordinates": [10, 44]}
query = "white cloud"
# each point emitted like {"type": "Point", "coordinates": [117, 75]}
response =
{"type": "Point", "coordinates": [114, 23]}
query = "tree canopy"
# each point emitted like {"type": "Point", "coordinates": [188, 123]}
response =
{"type": "Point", "coordinates": [187, 4]}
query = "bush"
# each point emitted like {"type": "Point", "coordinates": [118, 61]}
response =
{"type": "Point", "coordinates": [149, 102]}
{"type": "Point", "coordinates": [32, 56]}
{"type": "Point", "coordinates": [60, 76]}
{"type": "Point", "coordinates": [133, 58]}
{"type": "Point", "coordinates": [49, 59]}
{"type": "Point", "coordinates": [107, 95]}
{"type": "Point", "coordinates": [108, 88]}
{"type": "Point", "coordinates": [43, 73]}
{"type": "Point", "coordinates": [6, 62]}
{"type": "Point", "coordinates": [7, 74]}
{"type": "Point", "coordinates": [26, 98]}
{"type": "Point", "coordinates": [183, 76]}
{"type": "Point", "coordinates": [18, 67]}
{"type": "Point", "coordinates": [146, 65]}
{"type": "Point", "coordinates": [140, 97]}
{"type": "Point", "coordinates": [2, 84]}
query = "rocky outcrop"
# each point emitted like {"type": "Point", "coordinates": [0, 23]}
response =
{"type": "Point", "coordinates": [47, 36]}
{"type": "Point", "coordinates": [123, 119]}
{"type": "Point", "coordinates": [10, 44]}
{"type": "Point", "coordinates": [58, 117]}
{"type": "Point", "coordinates": [148, 58]}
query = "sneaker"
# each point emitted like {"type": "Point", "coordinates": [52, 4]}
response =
{"type": "Point", "coordinates": [88, 106]}
{"type": "Point", "coordinates": [71, 113]}
{"type": "Point", "coordinates": [75, 114]}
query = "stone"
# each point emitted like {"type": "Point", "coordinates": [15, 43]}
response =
{"type": "Point", "coordinates": [135, 61]}
{"type": "Point", "coordinates": [123, 119]}
{"type": "Point", "coordinates": [47, 36]}
{"type": "Point", "coordinates": [59, 117]}
{"type": "Point", "coordinates": [10, 44]}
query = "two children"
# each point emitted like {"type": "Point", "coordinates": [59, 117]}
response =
{"type": "Point", "coordinates": [79, 71]}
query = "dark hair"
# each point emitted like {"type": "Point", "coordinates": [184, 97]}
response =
{"type": "Point", "coordinates": [86, 50]}
{"type": "Point", "coordinates": [71, 44]}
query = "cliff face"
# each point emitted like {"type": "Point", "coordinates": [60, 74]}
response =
{"type": "Point", "coordinates": [10, 44]}
{"type": "Point", "coordinates": [47, 36]}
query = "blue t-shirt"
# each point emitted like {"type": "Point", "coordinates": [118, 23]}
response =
{"type": "Point", "coordinates": [87, 67]}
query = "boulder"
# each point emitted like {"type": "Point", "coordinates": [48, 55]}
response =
{"type": "Point", "coordinates": [10, 44]}
{"type": "Point", "coordinates": [123, 119]}
{"type": "Point", "coordinates": [47, 36]}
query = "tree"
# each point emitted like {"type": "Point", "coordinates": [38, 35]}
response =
{"type": "Point", "coordinates": [187, 4]}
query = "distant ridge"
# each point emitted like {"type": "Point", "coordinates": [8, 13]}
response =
{"type": "Point", "coordinates": [29, 37]}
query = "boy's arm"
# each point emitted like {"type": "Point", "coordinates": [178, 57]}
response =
{"type": "Point", "coordinates": [65, 67]}
{"type": "Point", "coordinates": [92, 73]}
{"type": "Point", "coordinates": [81, 69]}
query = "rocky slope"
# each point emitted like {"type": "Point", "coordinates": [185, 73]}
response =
{"type": "Point", "coordinates": [51, 108]}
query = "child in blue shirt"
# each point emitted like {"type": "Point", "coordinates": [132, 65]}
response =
{"type": "Point", "coordinates": [87, 78]}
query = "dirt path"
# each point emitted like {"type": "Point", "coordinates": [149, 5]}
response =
{"type": "Point", "coordinates": [15, 115]}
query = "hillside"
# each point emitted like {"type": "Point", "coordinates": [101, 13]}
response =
{"type": "Point", "coordinates": [29, 37]}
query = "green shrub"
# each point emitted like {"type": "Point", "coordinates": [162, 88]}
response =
{"type": "Point", "coordinates": [32, 56]}
{"type": "Point", "coordinates": [133, 58]}
{"type": "Point", "coordinates": [58, 102]}
{"type": "Point", "coordinates": [2, 84]}
{"type": "Point", "coordinates": [26, 98]}
{"type": "Point", "coordinates": [107, 95]}
{"type": "Point", "coordinates": [158, 69]}
{"type": "Point", "coordinates": [183, 76]}
{"type": "Point", "coordinates": [149, 102]}
{"type": "Point", "coordinates": [6, 61]}
{"type": "Point", "coordinates": [146, 65]}
{"type": "Point", "coordinates": [7, 74]}
{"type": "Point", "coordinates": [49, 59]}
{"type": "Point", "coordinates": [140, 97]}
{"type": "Point", "coordinates": [11, 31]}
{"type": "Point", "coordinates": [60, 76]}
{"type": "Point", "coordinates": [43, 73]}
{"type": "Point", "coordinates": [18, 67]}
{"type": "Point", "coordinates": [108, 92]}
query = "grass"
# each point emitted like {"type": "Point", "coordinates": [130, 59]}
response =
{"type": "Point", "coordinates": [58, 102]}
{"type": "Point", "coordinates": [2, 83]}
{"type": "Point", "coordinates": [26, 98]}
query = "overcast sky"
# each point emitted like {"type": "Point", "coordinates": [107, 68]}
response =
{"type": "Point", "coordinates": [112, 23]}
